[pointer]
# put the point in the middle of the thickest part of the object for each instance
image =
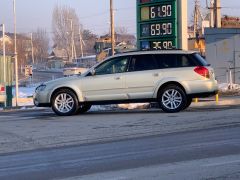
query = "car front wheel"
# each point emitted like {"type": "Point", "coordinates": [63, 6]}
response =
{"type": "Point", "coordinates": [172, 99]}
{"type": "Point", "coordinates": [65, 103]}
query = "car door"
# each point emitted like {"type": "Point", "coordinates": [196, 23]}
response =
{"type": "Point", "coordinates": [141, 78]}
{"type": "Point", "coordinates": [108, 82]}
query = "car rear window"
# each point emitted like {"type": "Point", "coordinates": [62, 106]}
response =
{"type": "Point", "coordinates": [174, 60]}
{"type": "Point", "coordinates": [199, 59]}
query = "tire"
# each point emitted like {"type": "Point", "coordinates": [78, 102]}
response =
{"type": "Point", "coordinates": [172, 99]}
{"type": "Point", "coordinates": [189, 102]}
{"type": "Point", "coordinates": [64, 103]}
{"type": "Point", "coordinates": [83, 108]}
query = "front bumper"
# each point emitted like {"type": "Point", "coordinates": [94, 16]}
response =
{"type": "Point", "coordinates": [40, 99]}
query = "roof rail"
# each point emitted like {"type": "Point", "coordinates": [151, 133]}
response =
{"type": "Point", "coordinates": [139, 50]}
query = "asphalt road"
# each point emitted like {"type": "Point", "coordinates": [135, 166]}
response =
{"type": "Point", "coordinates": [200, 143]}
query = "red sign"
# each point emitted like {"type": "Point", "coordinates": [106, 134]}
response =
{"type": "Point", "coordinates": [145, 1]}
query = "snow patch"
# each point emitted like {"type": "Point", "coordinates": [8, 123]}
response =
{"type": "Point", "coordinates": [103, 107]}
{"type": "Point", "coordinates": [25, 92]}
{"type": "Point", "coordinates": [25, 101]}
{"type": "Point", "coordinates": [224, 87]}
{"type": "Point", "coordinates": [134, 106]}
{"type": "Point", "coordinates": [120, 106]}
{"type": "Point", "coordinates": [28, 108]}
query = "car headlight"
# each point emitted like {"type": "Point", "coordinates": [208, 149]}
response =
{"type": "Point", "coordinates": [40, 88]}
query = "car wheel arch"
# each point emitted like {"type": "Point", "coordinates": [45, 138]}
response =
{"type": "Point", "coordinates": [61, 88]}
{"type": "Point", "coordinates": [170, 83]}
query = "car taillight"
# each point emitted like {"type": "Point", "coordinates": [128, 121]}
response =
{"type": "Point", "coordinates": [2, 89]}
{"type": "Point", "coordinates": [201, 70]}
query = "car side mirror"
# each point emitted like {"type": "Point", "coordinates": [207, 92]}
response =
{"type": "Point", "coordinates": [93, 72]}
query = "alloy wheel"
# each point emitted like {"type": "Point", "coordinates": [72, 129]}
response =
{"type": "Point", "coordinates": [64, 103]}
{"type": "Point", "coordinates": [171, 99]}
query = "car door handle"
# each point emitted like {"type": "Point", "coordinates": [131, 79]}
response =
{"type": "Point", "coordinates": [155, 74]}
{"type": "Point", "coordinates": [117, 78]}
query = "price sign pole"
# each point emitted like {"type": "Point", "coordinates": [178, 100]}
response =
{"type": "Point", "coordinates": [162, 24]}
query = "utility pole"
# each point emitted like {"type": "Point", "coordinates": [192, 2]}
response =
{"type": "Point", "coordinates": [112, 27]}
{"type": "Point", "coordinates": [196, 19]}
{"type": "Point", "coordinates": [32, 49]}
{"type": "Point", "coordinates": [4, 58]}
{"type": "Point", "coordinates": [15, 52]}
{"type": "Point", "coordinates": [4, 53]}
{"type": "Point", "coordinates": [215, 13]}
{"type": "Point", "coordinates": [80, 39]}
{"type": "Point", "coordinates": [73, 48]}
{"type": "Point", "coordinates": [211, 14]}
{"type": "Point", "coordinates": [72, 37]}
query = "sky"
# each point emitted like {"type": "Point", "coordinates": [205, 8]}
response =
{"type": "Point", "coordinates": [93, 14]}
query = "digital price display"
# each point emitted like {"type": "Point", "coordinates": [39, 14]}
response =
{"type": "Point", "coordinates": [157, 45]}
{"type": "Point", "coordinates": [162, 11]}
{"type": "Point", "coordinates": [157, 24]}
{"type": "Point", "coordinates": [157, 29]}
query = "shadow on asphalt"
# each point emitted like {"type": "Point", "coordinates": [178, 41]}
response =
{"type": "Point", "coordinates": [48, 113]}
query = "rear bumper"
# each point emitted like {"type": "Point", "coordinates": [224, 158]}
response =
{"type": "Point", "coordinates": [203, 94]}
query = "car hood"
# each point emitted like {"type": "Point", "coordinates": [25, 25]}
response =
{"type": "Point", "coordinates": [63, 81]}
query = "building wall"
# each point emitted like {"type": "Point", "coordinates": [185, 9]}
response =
{"type": "Point", "coordinates": [223, 52]}
{"type": "Point", "coordinates": [8, 40]}
{"type": "Point", "coordinates": [230, 22]}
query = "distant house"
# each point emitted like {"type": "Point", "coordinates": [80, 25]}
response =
{"type": "Point", "coordinates": [58, 53]}
{"type": "Point", "coordinates": [57, 59]}
{"type": "Point", "coordinates": [8, 42]}
{"type": "Point", "coordinates": [24, 48]}
{"type": "Point", "coordinates": [8, 38]}
{"type": "Point", "coordinates": [123, 42]}
{"type": "Point", "coordinates": [127, 38]}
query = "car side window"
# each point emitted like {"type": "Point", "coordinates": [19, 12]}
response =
{"type": "Point", "coordinates": [185, 61]}
{"type": "Point", "coordinates": [166, 60]}
{"type": "Point", "coordinates": [173, 61]}
{"type": "Point", "coordinates": [142, 63]}
{"type": "Point", "coordinates": [112, 66]}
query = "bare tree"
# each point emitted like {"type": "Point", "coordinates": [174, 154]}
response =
{"type": "Point", "coordinates": [122, 35]}
{"type": "Point", "coordinates": [89, 42]}
{"type": "Point", "coordinates": [23, 43]}
{"type": "Point", "coordinates": [40, 45]}
{"type": "Point", "coordinates": [121, 30]}
{"type": "Point", "coordinates": [65, 24]}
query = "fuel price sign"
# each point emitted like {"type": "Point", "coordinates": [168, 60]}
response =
{"type": "Point", "coordinates": [157, 24]}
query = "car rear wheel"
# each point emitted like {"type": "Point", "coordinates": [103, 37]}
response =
{"type": "Point", "coordinates": [65, 103]}
{"type": "Point", "coordinates": [172, 99]}
{"type": "Point", "coordinates": [189, 102]}
{"type": "Point", "coordinates": [83, 108]}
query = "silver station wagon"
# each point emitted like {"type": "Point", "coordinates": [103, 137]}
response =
{"type": "Point", "coordinates": [171, 78]}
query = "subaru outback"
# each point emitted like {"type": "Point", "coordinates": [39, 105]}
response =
{"type": "Point", "coordinates": [171, 78]}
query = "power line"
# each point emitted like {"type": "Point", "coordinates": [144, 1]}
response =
{"type": "Point", "coordinates": [94, 15]}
